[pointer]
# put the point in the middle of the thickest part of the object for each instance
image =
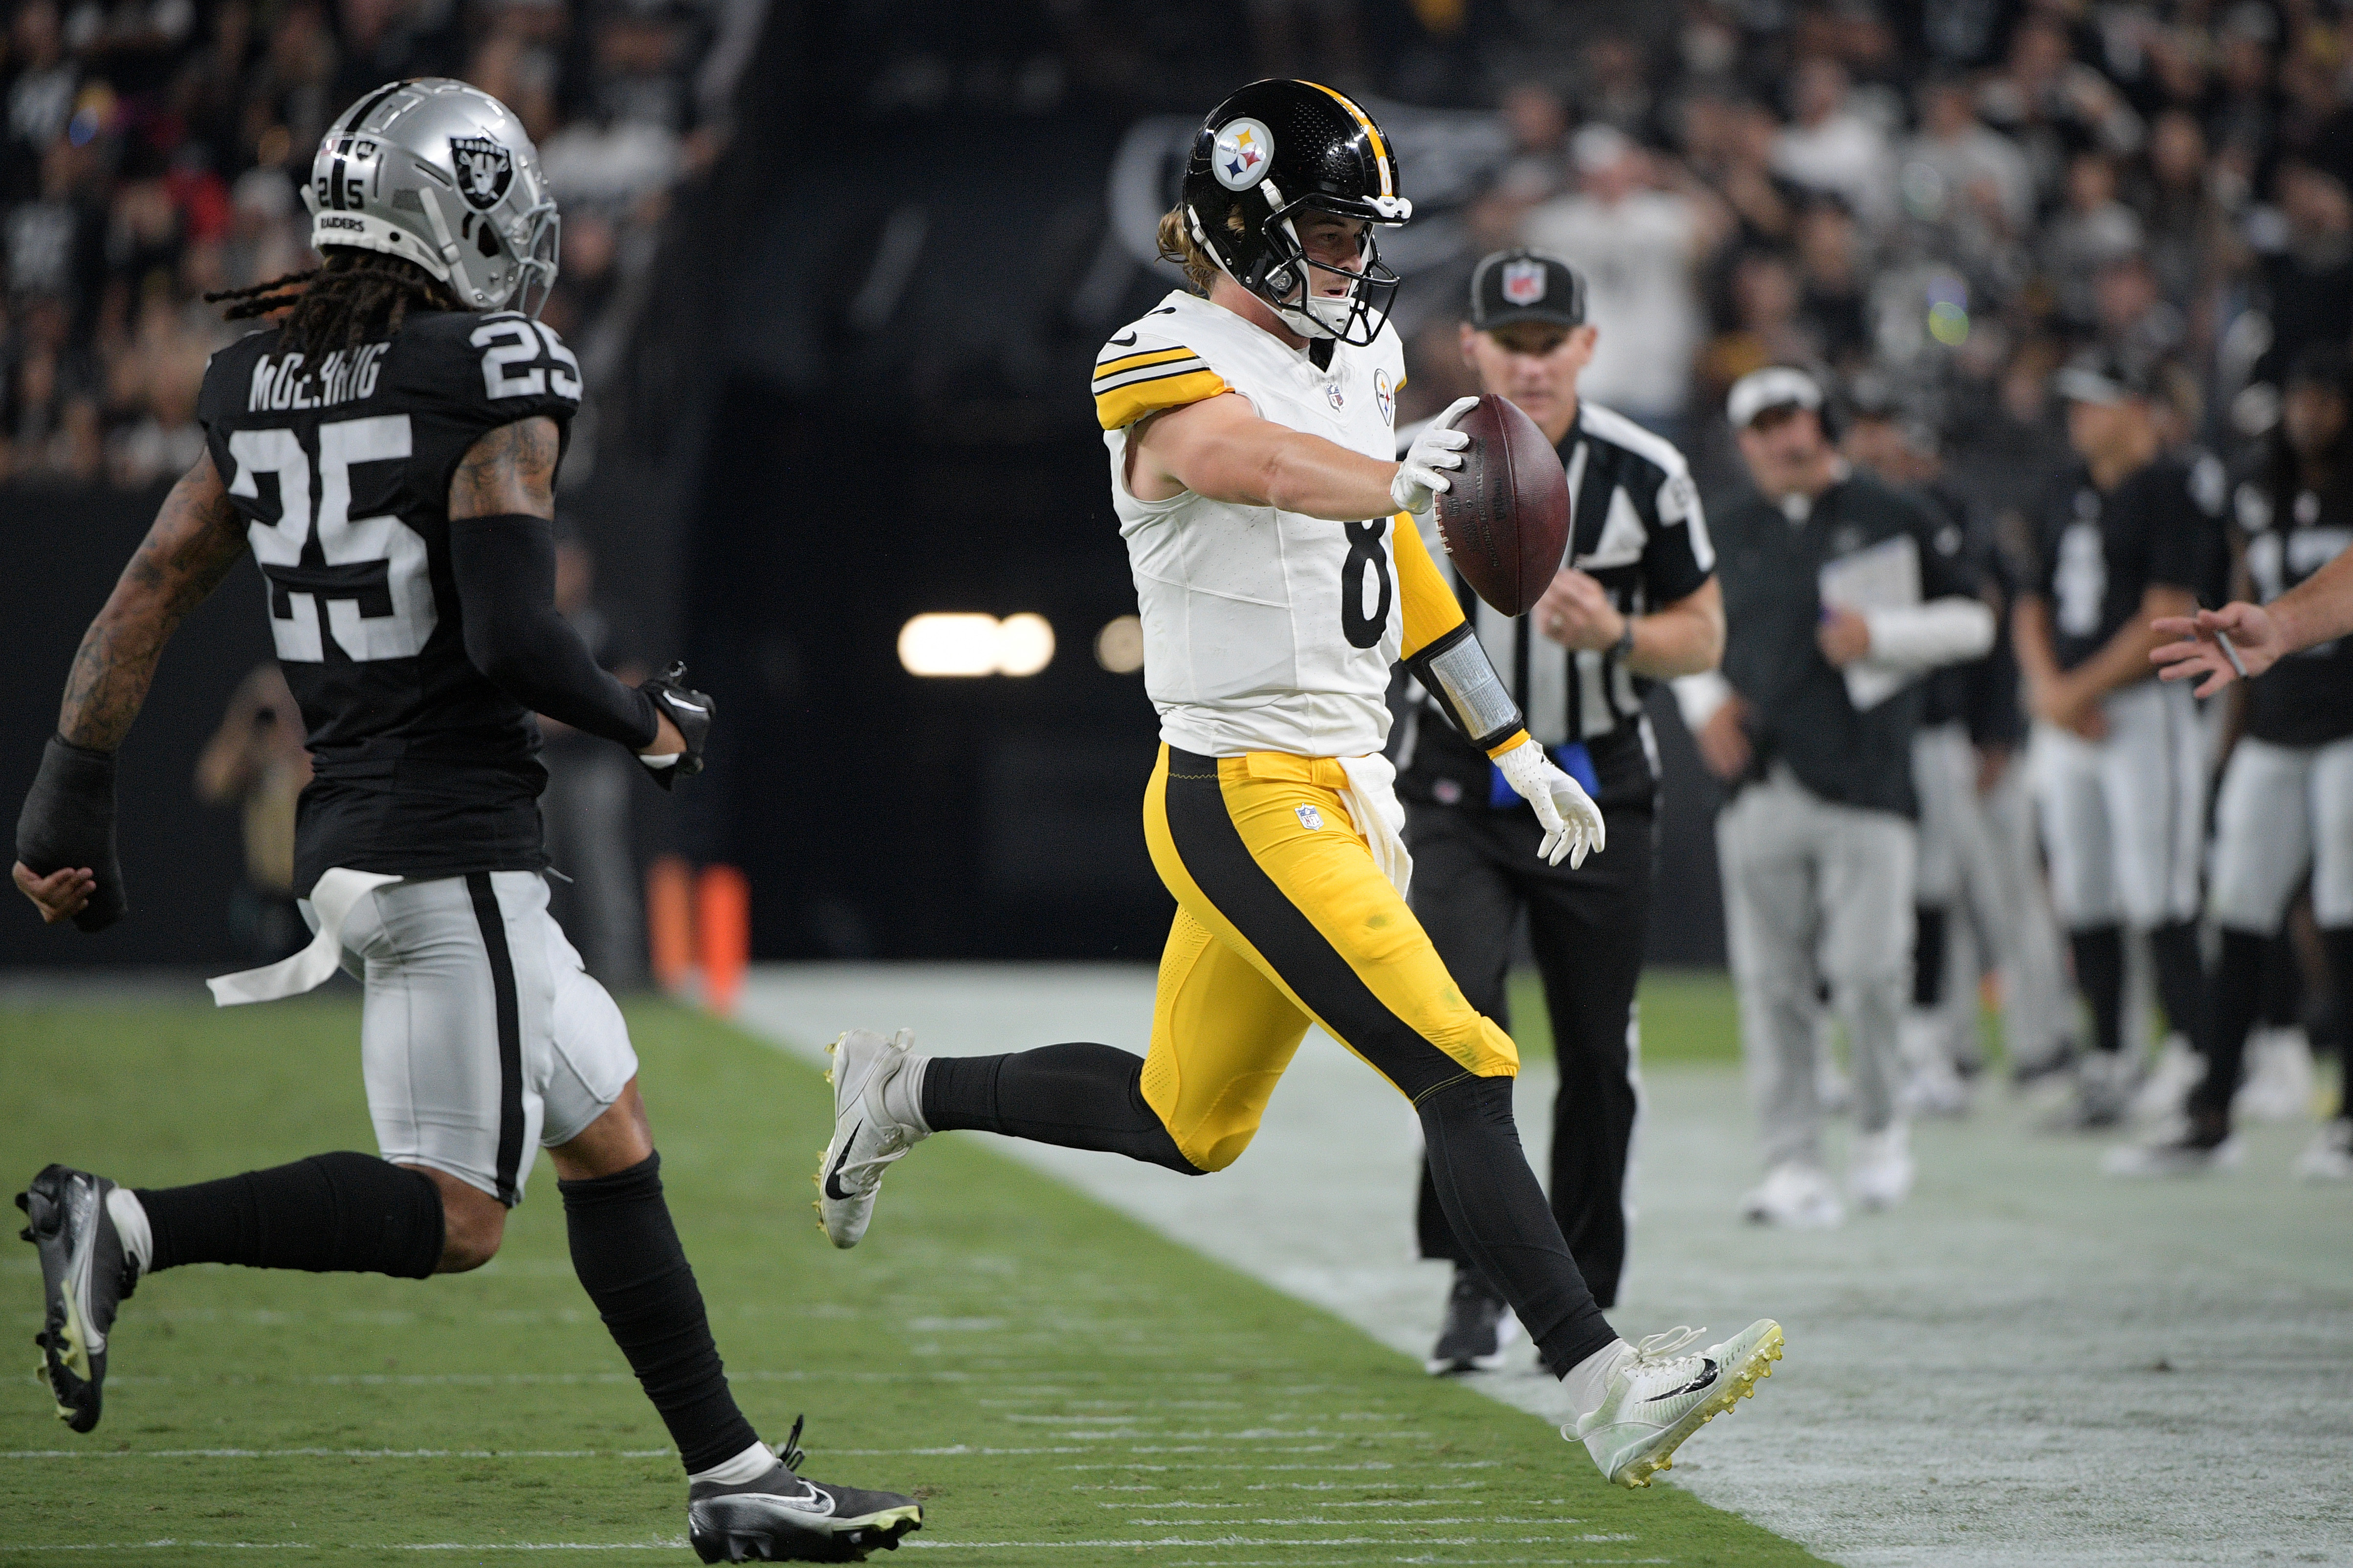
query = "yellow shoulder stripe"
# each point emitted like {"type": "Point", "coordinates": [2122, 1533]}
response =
{"type": "Point", "coordinates": [1123, 405]}
{"type": "Point", "coordinates": [1138, 361]}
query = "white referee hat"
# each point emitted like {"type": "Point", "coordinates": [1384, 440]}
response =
{"type": "Point", "coordinates": [1774, 386]}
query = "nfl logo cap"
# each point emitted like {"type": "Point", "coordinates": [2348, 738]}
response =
{"type": "Point", "coordinates": [1523, 285]}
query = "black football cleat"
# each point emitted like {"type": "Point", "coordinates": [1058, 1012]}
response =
{"type": "Point", "coordinates": [1478, 1327]}
{"type": "Point", "coordinates": [781, 1517]}
{"type": "Point", "coordinates": [85, 1277]}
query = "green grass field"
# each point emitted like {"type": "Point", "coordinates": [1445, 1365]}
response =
{"type": "Point", "coordinates": [1688, 1015]}
{"type": "Point", "coordinates": [1058, 1384]}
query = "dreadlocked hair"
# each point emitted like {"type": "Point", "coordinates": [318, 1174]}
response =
{"type": "Point", "coordinates": [354, 297]}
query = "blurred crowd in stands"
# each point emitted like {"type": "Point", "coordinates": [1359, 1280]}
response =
{"type": "Point", "coordinates": [154, 150]}
{"type": "Point", "coordinates": [1939, 202]}
{"type": "Point", "coordinates": [1940, 197]}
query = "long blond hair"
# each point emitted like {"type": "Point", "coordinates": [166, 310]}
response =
{"type": "Point", "coordinates": [1177, 245]}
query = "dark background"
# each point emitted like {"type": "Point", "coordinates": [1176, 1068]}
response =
{"type": "Point", "coordinates": [857, 393]}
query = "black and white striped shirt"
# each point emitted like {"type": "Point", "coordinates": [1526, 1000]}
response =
{"type": "Point", "coordinates": [1637, 529]}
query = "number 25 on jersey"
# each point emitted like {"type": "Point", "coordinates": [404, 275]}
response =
{"type": "Point", "coordinates": [370, 573]}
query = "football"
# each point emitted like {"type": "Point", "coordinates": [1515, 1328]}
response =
{"type": "Point", "coordinates": [1505, 520]}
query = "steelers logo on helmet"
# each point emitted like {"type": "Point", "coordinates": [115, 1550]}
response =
{"type": "Point", "coordinates": [1243, 154]}
{"type": "Point", "coordinates": [1523, 281]}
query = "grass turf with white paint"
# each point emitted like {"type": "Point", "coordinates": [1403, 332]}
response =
{"type": "Point", "coordinates": [1056, 1382]}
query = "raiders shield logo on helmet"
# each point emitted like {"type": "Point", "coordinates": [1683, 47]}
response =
{"type": "Point", "coordinates": [484, 168]}
{"type": "Point", "coordinates": [1523, 281]}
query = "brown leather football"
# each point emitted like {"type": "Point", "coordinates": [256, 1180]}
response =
{"type": "Point", "coordinates": [1505, 520]}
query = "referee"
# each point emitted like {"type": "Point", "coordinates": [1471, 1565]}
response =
{"type": "Point", "coordinates": [1636, 602]}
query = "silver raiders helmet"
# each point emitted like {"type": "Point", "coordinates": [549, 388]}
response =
{"type": "Point", "coordinates": [442, 175]}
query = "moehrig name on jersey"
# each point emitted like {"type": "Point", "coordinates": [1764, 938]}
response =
{"type": "Point", "coordinates": [345, 375]}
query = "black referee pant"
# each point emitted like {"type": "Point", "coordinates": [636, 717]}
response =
{"type": "Point", "coordinates": [1474, 870]}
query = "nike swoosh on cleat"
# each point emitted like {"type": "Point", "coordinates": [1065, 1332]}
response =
{"type": "Point", "coordinates": [1705, 1379]}
{"type": "Point", "coordinates": [833, 1177]}
{"type": "Point", "coordinates": [1127, 342]}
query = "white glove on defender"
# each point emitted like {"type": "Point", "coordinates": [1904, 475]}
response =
{"type": "Point", "coordinates": [1571, 822]}
{"type": "Point", "coordinates": [1438, 450]}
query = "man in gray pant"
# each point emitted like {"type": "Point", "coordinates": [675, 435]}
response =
{"type": "Point", "coordinates": [1836, 600]}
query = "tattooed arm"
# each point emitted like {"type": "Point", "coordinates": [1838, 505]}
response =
{"type": "Point", "coordinates": [507, 472]}
{"type": "Point", "coordinates": [197, 537]}
{"type": "Point", "coordinates": [503, 556]}
{"type": "Point", "coordinates": [66, 861]}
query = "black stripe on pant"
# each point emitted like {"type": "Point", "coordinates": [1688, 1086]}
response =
{"type": "Point", "coordinates": [1224, 869]}
{"type": "Point", "coordinates": [1491, 1198]}
{"type": "Point", "coordinates": [492, 921]}
{"type": "Point", "coordinates": [1474, 870]}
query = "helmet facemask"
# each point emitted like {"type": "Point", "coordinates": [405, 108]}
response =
{"type": "Point", "coordinates": [1286, 275]}
{"type": "Point", "coordinates": [537, 257]}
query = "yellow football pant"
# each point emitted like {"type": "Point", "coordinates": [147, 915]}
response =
{"type": "Point", "coordinates": [1282, 919]}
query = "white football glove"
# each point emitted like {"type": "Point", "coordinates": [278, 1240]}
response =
{"type": "Point", "coordinates": [1435, 453]}
{"type": "Point", "coordinates": [1571, 822]}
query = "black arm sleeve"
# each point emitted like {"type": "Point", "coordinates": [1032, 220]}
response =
{"type": "Point", "coordinates": [505, 571]}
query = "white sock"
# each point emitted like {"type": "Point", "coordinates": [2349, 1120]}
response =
{"type": "Point", "coordinates": [1588, 1379]}
{"type": "Point", "coordinates": [130, 1217]}
{"type": "Point", "coordinates": [748, 1466]}
{"type": "Point", "coordinates": [902, 1096]}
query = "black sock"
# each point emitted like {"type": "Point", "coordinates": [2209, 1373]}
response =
{"type": "Point", "coordinates": [626, 1253]}
{"type": "Point", "coordinates": [1500, 1216]}
{"type": "Point", "coordinates": [2100, 976]}
{"type": "Point", "coordinates": [2231, 1007]}
{"type": "Point", "coordinates": [1079, 1096]}
{"type": "Point", "coordinates": [2283, 1004]}
{"type": "Point", "coordinates": [1927, 955]}
{"type": "Point", "coordinates": [2181, 979]}
{"type": "Point", "coordinates": [2337, 944]}
{"type": "Point", "coordinates": [332, 1213]}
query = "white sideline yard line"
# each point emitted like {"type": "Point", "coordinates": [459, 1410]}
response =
{"type": "Point", "coordinates": [1140, 1541]}
{"type": "Point", "coordinates": [169, 1545]}
{"type": "Point", "coordinates": [475, 1453]}
{"type": "Point", "coordinates": [336, 1454]}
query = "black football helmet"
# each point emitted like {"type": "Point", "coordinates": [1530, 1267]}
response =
{"type": "Point", "coordinates": [1270, 151]}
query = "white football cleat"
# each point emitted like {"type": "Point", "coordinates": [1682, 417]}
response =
{"type": "Point", "coordinates": [2181, 1150]}
{"type": "Point", "coordinates": [1880, 1173]}
{"type": "Point", "coordinates": [1659, 1394]}
{"type": "Point", "coordinates": [866, 1136]}
{"type": "Point", "coordinates": [2278, 1085]}
{"type": "Point", "coordinates": [1932, 1084]}
{"type": "Point", "coordinates": [2165, 1093]}
{"type": "Point", "coordinates": [1796, 1197]}
{"type": "Point", "coordinates": [2329, 1156]}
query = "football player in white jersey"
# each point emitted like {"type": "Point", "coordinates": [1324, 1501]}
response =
{"type": "Point", "coordinates": [1280, 576]}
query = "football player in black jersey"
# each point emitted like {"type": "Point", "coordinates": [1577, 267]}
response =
{"type": "Point", "coordinates": [2118, 759]}
{"type": "Point", "coordinates": [2286, 802]}
{"type": "Point", "coordinates": [388, 452]}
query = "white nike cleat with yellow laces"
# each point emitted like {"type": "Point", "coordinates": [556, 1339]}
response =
{"type": "Point", "coordinates": [1660, 1393]}
{"type": "Point", "coordinates": [867, 1133]}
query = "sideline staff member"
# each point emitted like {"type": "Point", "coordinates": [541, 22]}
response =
{"type": "Point", "coordinates": [1817, 847]}
{"type": "Point", "coordinates": [1637, 603]}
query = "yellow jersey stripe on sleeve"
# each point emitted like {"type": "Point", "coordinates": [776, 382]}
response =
{"type": "Point", "coordinates": [1138, 361]}
{"type": "Point", "coordinates": [1431, 610]}
{"type": "Point", "coordinates": [1119, 407]}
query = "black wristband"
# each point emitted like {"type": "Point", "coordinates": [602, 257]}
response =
{"type": "Point", "coordinates": [68, 821]}
{"type": "Point", "coordinates": [1624, 647]}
